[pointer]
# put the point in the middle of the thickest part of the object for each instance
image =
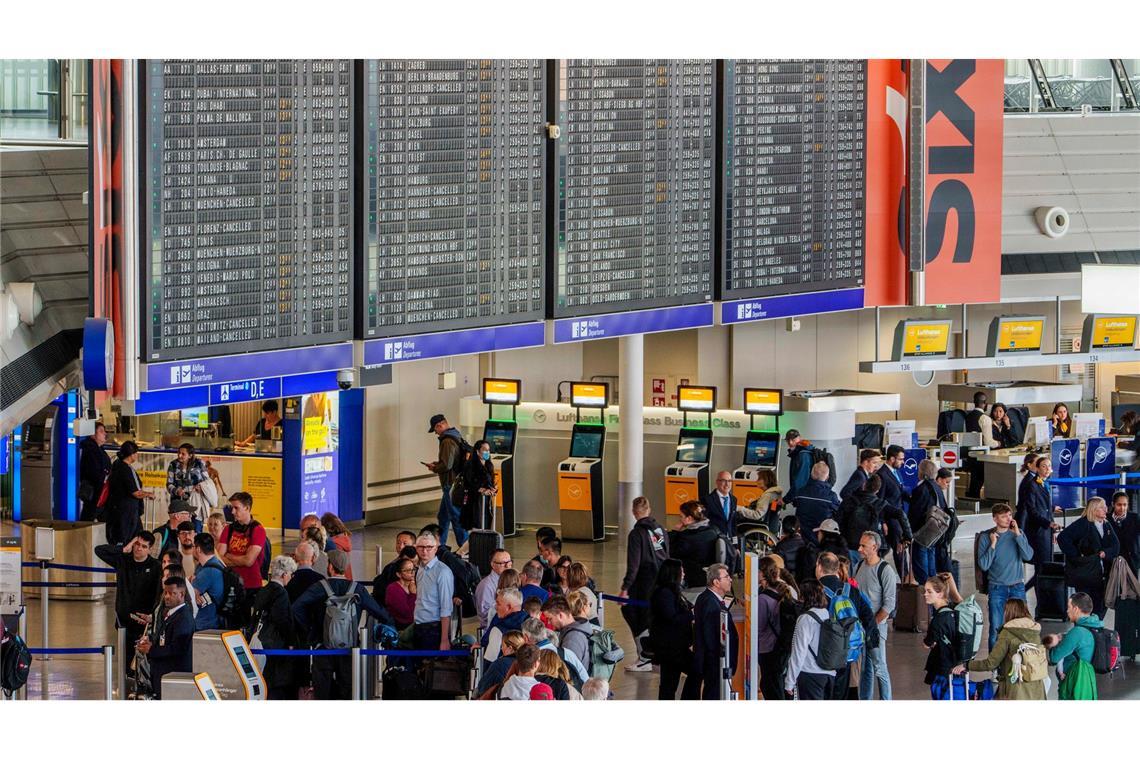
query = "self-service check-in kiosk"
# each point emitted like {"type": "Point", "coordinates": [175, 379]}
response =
{"type": "Point", "coordinates": [760, 447]}
{"type": "Point", "coordinates": [687, 479]}
{"type": "Point", "coordinates": [580, 488]}
{"type": "Point", "coordinates": [226, 658]}
{"type": "Point", "coordinates": [501, 435]}
{"type": "Point", "coordinates": [188, 686]}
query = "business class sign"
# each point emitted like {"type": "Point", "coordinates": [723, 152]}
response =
{"type": "Point", "coordinates": [963, 180]}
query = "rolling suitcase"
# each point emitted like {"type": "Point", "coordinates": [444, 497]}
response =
{"type": "Point", "coordinates": [911, 611]}
{"type": "Point", "coordinates": [481, 542]}
{"type": "Point", "coordinates": [1052, 592]}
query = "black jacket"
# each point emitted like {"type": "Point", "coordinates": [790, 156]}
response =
{"type": "Point", "coordinates": [788, 548]}
{"type": "Point", "coordinates": [1081, 539]}
{"type": "Point", "coordinates": [1035, 505]}
{"type": "Point", "coordinates": [300, 582]}
{"type": "Point", "coordinates": [476, 474]}
{"type": "Point", "coordinates": [706, 633]}
{"type": "Point", "coordinates": [646, 549]}
{"type": "Point", "coordinates": [891, 490]}
{"type": "Point", "coordinates": [854, 483]}
{"type": "Point", "coordinates": [136, 583]}
{"type": "Point", "coordinates": [863, 511]}
{"type": "Point", "coordinates": [385, 578]}
{"type": "Point", "coordinates": [271, 610]}
{"type": "Point", "coordinates": [309, 608]}
{"type": "Point", "coordinates": [940, 637]}
{"type": "Point", "coordinates": [714, 511]}
{"type": "Point", "coordinates": [695, 546]}
{"type": "Point", "coordinates": [815, 503]}
{"type": "Point", "coordinates": [94, 468]}
{"type": "Point", "coordinates": [123, 510]}
{"type": "Point", "coordinates": [173, 649]}
{"type": "Point", "coordinates": [1128, 535]}
{"type": "Point", "coordinates": [809, 553]}
{"type": "Point", "coordinates": [670, 625]}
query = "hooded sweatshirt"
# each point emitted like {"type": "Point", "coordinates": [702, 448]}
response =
{"type": "Point", "coordinates": [1077, 644]}
{"type": "Point", "coordinates": [646, 550]}
{"type": "Point", "coordinates": [1011, 636]}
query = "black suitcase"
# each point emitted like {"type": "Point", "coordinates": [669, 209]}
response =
{"type": "Point", "coordinates": [1052, 592]}
{"type": "Point", "coordinates": [481, 542]}
{"type": "Point", "coordinates": [402, 682]}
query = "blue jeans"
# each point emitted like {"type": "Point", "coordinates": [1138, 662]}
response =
{"type": "Point", "coordinates": [449, 514]}
{"type": "Point", "coordinates": [875, 669]}
{"type": "Point", "coordinates": [998, 596]}
{"type": "Point", "coordinates": [923, 558]}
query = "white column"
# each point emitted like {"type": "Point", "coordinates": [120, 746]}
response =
{"type": "Point", "coordinates": [631, 374]}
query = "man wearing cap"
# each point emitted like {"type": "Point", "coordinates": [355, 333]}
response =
{"type": "Point", "coordinates": [166, 537]}
{"type": "Point", "coordinates": [445, 466]}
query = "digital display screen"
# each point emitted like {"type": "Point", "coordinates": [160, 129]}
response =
{"type": "Point", "coordinates": [693, 448]}
{"type": "Point", "coordinates": [760, 449]}
{"type": "Point", "coordinates": [248, 205]}
{"type": "Point", "coordinates": [1117, 331]}
{"type": "Point", "coordinates": [587, 443]}
{"type": "Point", "coordinates": [196, 418]}
{"type": "Point", "coordinates": [589, 395]}
{"type": "Point", "coordinates": [501, 437]}
{"type": "Point", "coordinates": [1019, 334]}
{"type": "Point", "coordinates": [505, 392]}
{"type": "Point", "coordinates": [794, 175]}
{"type": "Point", "coordinates": [696, 398]}
{"type": "Point", "coordinates": [763, 401]}
{"type": "Point", "coordinates": [635, 184]}
{"type": "Point", "coordinates": [923, 338]}
{"type": "Point", "coordinates": [455, 232]}
{"type": "Point", "coordinates": [242, 655]}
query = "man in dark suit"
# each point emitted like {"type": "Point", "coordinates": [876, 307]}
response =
{"type": "Point", "coordinates": [869, 461]}
{"type": "Point", "coordinates": [720, 505]}
{"type": "Point", "coordinates": [706, 635]}
{"type": "Point", "coordinates": [305, 554]}
{"type": "Point", "coordinates": [893, 492]}
{"type": "Point", "coordinates": [171, 649]}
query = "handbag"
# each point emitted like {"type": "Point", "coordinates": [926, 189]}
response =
{"type": "Point", "coordinates": [935, 527]}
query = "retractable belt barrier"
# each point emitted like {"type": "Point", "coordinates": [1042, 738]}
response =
{"type": "Point", "coordinates": [77, 568]}
{"type": "Point", "coordinates": [365, 652]}
{"type": "Point", "coordinates": [67, 584]}
{"type": "Point", "coordinates": [108, 653]}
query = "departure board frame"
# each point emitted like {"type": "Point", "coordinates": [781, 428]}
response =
{"type": "Point", "coordinates": [474, 133]}
{"type": "Point", "coordinates": [336, 286]}
{"type": "Point", "coordinates": [561, 196]}
{"type": "Point", "coordinates": [729, 289]}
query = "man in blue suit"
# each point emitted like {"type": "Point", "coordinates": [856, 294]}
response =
{"type": "Point", "coordinates": [893, 491]}
{"type": "Point", "coordinates": [869, 461]}
{"type": "Point", "coordinates": [720, 505]}
{"type": "Point", "coordinates": [706, 636]}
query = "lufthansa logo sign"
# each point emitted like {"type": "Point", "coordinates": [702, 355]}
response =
{"type": "Point", "coordinates": [911, 465]}
{"type": "Point", "coordinates": [1100, 454]}
{"type": "Point", "coordinates": [539, 416]}
{"type": "Point", "coordinates": [574, 492]}
{"type": "Point", "coordinates": [1065, 457]}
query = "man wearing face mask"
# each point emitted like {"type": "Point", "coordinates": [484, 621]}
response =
{"type": "Point", "coordinates": [479, 488]}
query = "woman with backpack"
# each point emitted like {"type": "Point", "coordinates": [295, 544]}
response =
{"type": "Point", "coordinates": [941, 594]}
{"type": "Point", "coordinates": [776, 612]}
{"type": "Point", "coordinates": [1018, 656]}
{"type": "Point", "coordinates": [804, 678]}
{"type": "Point", "coordinates": [671, 632]}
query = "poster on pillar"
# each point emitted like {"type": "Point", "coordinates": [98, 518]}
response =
{"type": "Point", "coordinates": [885, 270]}
{"type": "Point", "coordinates": [964, 113]}
{"type": "Point", "coordinates": [320, 415]}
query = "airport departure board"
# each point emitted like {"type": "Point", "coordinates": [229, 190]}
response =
{"type": "Point", "coordinates": [455, 227]}
{"type": "Point", "coordinates": [248, 206]}
{"type": "Point", "coordinates": [794, 163]}
{"type": "Point", "coordinates": [635, 184]}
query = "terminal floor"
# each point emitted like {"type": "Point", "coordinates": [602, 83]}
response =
{"type": "Point", "coordinates": [85, 624]}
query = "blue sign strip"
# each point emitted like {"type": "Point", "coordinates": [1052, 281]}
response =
{"type": "Point", "coordinates": [150, 402]}
{"type": "Point", "coordinates": [795, 305]}
{"type": "Point", "coordinates": [223, 369]}
{"type": "Point", "coordinates": [632, 323]}
{"type": "Point", "coordinates": [453, 343]}
{"type": "Point", "coordinates": [245, 390]}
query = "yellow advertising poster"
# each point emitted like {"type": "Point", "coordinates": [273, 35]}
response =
{"type": "Point", "coordinates": [316, 434]}
{"type": "Point", "coordinates": [696, 398]}
{"type": "Point", "coordinates": [261, 479]}
{"type": "Point", "coordinates": [757, 401]}
{"type": "Point", "coordinates": [1113, 332]}
{"type": "Point", "coordinates": [926, 339]}
{"type": "Point", "coordinates": [1020, 335]}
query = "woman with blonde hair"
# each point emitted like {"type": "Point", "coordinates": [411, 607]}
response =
{"type": "Point", "coordinates": [552, 666]}
{"type": "Point", "coordinates": [941, 594]}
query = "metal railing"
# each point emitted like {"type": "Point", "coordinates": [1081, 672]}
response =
{"type": "Point", "coordinates": [43, 99]}
{"type": "Point", "coordinates": [1037, 91]}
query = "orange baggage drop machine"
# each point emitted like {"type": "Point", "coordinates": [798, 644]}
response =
{"type": "Point", "coordinates": [687, 479]}
{"type": "Point", "coordinates": [581, 494]}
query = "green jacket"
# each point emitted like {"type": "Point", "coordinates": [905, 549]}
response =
{"type": "Point", "coordinates": [1012, 635]}
{"type": "Point", "coordinates": [1077, 644]}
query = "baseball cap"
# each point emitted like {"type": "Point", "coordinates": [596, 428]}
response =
{"type": "Point", "coordinates": [829, 526]}
{"type": "Point", "coordinates": [541, 691]}
{"type": "Point", "coordinates": [435, 420]}
{"type": "Point", "coordinates": [178, 505]}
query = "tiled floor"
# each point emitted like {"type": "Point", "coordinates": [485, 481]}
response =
{"type": "Point", "coordinates": [79, 624]}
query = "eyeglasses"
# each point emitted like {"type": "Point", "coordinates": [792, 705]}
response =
{"type": "Point", "coordinates": [723, 480]}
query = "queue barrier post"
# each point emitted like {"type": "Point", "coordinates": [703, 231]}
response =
{"type": "Point", "coordinates": [121, 676]}
{"type": "Point", "coordinates": [725, 665]}
{"type": "Point", "coordinates": [108, 673]}
{"type": "Point", "coordinates": [45, 642]}
{"type": "Point", "coordinates": [601, 610]}
{"type": "Point", "coordinates": [356, 671]}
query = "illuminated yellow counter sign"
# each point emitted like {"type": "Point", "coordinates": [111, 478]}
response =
{"type": "Point", "coordinates": [763, 401]}
{"type": "Point", "coordinates": [926, 340]}
{"type": "Point", "coordinates": [1113, 332]}
{"type": "Point", "coordinates": [696, 398]}
{"type": "Point", "coordinates": [589, 395]}
{"type": "Point", "coordinates": [503, 392]}
{"type": "Point", "coordinates": [1017, 335]}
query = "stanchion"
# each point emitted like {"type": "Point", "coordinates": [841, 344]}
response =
{"type": "Point", "coordinates": [601, 611]}
{"type": "Point", "coordinates": [725, 667]}
{"type": "Point", "coordinates": [22, 693]}
{"type": "Point", "coordinates": [44, 594]}
{"type": "Point", "coordinates": [108, 675]}
{"type": "Point", "coordinates": [356, 674]}
{"type": "Point", "coordinates": [121, 648]}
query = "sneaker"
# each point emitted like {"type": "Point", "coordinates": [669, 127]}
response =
{"type": "Point", "coordinates": [641, 666]}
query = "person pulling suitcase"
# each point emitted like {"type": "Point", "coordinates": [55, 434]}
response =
{"type": "Point", "coordinates": [479, 507]}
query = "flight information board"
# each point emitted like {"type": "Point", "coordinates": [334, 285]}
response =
{"type": "Point", "coordinates": [635, 186]}
{"type": "Point", "coordinates": [454, 226]}
{"type": "Point", "coordinates": [794, 164]}
{"type": "Point", "coordinates": [248, 205]}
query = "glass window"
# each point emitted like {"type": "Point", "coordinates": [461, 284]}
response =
{"type": "Point", "coordinates": [29, 98]}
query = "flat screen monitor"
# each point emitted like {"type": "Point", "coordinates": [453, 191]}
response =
{"type": "Point", "coordinates": [1015, 335]}
{"type": "Point", "coordinates": [768, 401]}
{"type": "Point", "coordinates": [693, 446]}
{"type": "Point", "coordinates": [590, 395]}
{"type": "Point", "coordinates": [1109, 331]}
{"type": "Point", "coordinates": [500, 391]}
{"type": "Point", "coordinates": [587, 442]}
{"type": "Point", "coordinates": [196, 418]}
{"type": "Point", "coordinates": [696, 398]}
{"type": "Point", "coordinates": [760, 449]}
{"type": "Point", "coordinates": [501, 436]}
{"type": "Point", "coordinates": [929, 338]}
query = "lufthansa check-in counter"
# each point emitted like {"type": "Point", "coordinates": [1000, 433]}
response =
{"type": "Point", "coordinates": [1015, 393]}
{"type": "Point", "coordinates": [544, 438]}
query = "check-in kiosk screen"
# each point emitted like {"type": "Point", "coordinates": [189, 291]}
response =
{"type": "Point", "coordinates": [693, 448]}
{"type": "Point", "coordinates": [760, 449]}
{"type": "Point", "coordinates": [587, 443]}
{"type": "Point", "coordinates": [501, 438]}
{"type": "Point", "coordinates": [242, 655]}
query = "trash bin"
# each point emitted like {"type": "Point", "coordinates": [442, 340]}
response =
{"type": "Point", "coordinates": [75, 544]}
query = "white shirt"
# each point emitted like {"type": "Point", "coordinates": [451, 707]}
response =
{"type": "Point", "coordinates": [485, 598]}
{"type": "Point", "coordinates": [804, 640]}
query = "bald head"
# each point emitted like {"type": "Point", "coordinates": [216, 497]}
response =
{"type": "Point", "coordinates": [305, 553]}
{"type": "Point", "coordinates": [724, 482]}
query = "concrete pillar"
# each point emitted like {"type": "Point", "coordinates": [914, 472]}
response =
{"type": "Point", "coordinates": [631, 374]}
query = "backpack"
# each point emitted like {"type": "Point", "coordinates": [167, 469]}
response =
{"type": "Point", "coordinates": [981, 577]}
{"type": "Point", "coordinates": [461, 457]}
{"type": "Point", "coordinates": [341, 618]}
{"type": "Point", "coordinates": [841, 635]}
{"type": "Point", "coordinates": [604, 653]}
{"type": "Point", "coordinates": [1029, 664]}
{"type": "Point", "coordinates": [968, 615]}
{"type": "Point", "coordinates": [233, 607]}
{"type": "Point", "coordinates": [1106, 649]}
{"type": "Point", "coordinates": [266, 557]}
{"type": "Point", "coordinates": [17, 663]}
{"type": "Point", "coordinates": [788, 611]}
{"type": "Point", "coordinates": [823, 455]}
{"type": "Point", "coordinates": [466, 578]}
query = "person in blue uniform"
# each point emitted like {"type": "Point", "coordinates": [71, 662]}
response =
{"type": "Point", "coordinates": [1035, 501]}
